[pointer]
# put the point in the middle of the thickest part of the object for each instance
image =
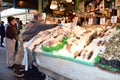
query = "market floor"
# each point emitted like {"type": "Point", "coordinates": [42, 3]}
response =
{"type": "Point", "coordinates": [5, 73]}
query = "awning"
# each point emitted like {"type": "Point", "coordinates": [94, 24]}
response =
{"type": "Point", "coordinates": [12, 11]}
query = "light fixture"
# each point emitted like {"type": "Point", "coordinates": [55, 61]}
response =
{"type": "Point", "coordinates": [53, 4]}
{"type": "Point", "coordinates": [21, 3]}
{"type": "Point", "coordinates": [69, 1]}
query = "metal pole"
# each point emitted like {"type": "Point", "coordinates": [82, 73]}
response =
{"type": "Point", "coordinates": [26, 12]}
{"type": "Point", "coordinates": [40, 6]}
{"type": "Point", "coordinates": [0, 16]}
{"type": "Point", "coordinates": [0, 8]}
{"type": "Point", "coordinates": [43, 10]}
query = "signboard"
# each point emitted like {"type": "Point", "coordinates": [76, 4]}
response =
{"type": "Point", "coordinates": [74, 23]}
{"type": "Point", "coordinates": [102, 20]}
{"type": "Point", "coordinates": [90, 21]}
{"type": "Point", "coordinates": [114, 19]}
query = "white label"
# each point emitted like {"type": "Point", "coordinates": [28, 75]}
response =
{"type": "Point", "coordinates": [43, 16]}
{"type": "Point", "coordinates": [114, 19]}
{"type": "Point", "coordinates": [90, 21]}
{"type": "Point", "coordinates": [74, 22]}
{"type": "Point", "coordinates": [102, 20]}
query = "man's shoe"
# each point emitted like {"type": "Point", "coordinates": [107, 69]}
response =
{"type": "Point", "coordinates": [11, 67]}
{"type": "Point", "coordinates": [18, 73]}
{"type": "Point", "coordinates": [19, 67]}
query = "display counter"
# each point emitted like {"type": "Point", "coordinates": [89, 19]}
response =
{"type": "Point", "coordinates": [71, 70]}
{"type": "Point", "coordinates": [66, 54]}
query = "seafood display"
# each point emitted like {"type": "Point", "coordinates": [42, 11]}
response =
{"type": "Point", "coordinates": [80, 43]}
{"type": "Point", "coordinates": [110, 60]}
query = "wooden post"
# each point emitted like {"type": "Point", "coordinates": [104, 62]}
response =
{"type": "Point", "coordinates": [40, 6]}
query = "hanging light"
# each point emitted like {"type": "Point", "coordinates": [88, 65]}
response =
{"type": "Point", "coordinates": [53, 4]}
{"type": "Point", "coordinates": [69, 1]}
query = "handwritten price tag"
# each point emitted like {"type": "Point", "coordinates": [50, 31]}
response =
{"type": "Point", "coordinates": [114, 19]}
{"type": "Point", "coordinates": [90, 21]}
{"type": "Point", "coordinates": [102, 20]}
{"type": "Point", "coordinates": [74, 22]}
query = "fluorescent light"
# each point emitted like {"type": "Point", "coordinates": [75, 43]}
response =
{"type": "Point", "coordinates": [53, 5]}
{"type": "Point", "coordinates": [69, 1]}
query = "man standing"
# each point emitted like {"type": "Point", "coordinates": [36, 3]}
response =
{"type": "Point", "coordinates": [12, 60]}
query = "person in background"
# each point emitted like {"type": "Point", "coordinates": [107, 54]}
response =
{"type": "Point", "coordinates": [13, 61]}
{"type": "Point", "coordinates": [21, 24]}
{"type": "Point", "coordinates": [2, 33]}
{"type": "Point", "coordinates": [18, 25]}
{"type": "Point", "coordinates": [18, 30]}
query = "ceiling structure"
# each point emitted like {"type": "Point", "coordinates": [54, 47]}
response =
{"type": "Point", "coordinates": [6, 4]}
{"type": "Point", "coordinates": [9, 3]}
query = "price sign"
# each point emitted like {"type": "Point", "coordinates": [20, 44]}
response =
{"type": "Point", "coordinates": [90, 21]}
{"type": "Point", "coordinates": [102, 20]}
{"type": "Point", "coordinates": [114, 19]}
{"type": "Point", "coordinates": [43, 16]}
{"type": "Point", "coordinates": [74, 22]}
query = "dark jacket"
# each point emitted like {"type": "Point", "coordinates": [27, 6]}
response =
{"type": "Point", "coordinates": [2, 30]}
{"type": "Point", "coordinates": [17, 25]}
{"type": "Point", "coordinates": [11, 32]}
{"type": "Point", "coordinates": [34, 27]}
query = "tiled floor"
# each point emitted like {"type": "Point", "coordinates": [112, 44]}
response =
{"type": "Point", "coordinates": [5, 73]}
